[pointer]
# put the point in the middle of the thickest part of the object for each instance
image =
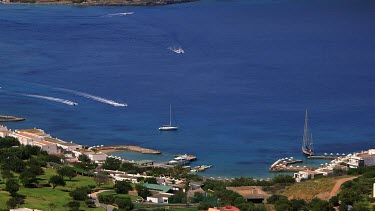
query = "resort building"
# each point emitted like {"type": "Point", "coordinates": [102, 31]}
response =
{"type": "Point", "coordinates": [159, 188]}
{"type": "Point", "coordinates": [64, 145]}
{"type": "Point", "coordinates": [38, 132]}
{"type": "Point", "coordinates": [158, 197]}
{"type": "Point", "coordinates": [98, 157]}
{"type": "Point", "coordinates": [4, 131]}
{"type": "Point", "coordinates": [362, 159]}
{"type": "Point", "coordinates": [50, 148]}
{"type": "Point", "coordinates": [305, 174]}
{"type": "Point", "coordinates": [25, 138]}
{"type": "Point", "coordinates": [78, 152]}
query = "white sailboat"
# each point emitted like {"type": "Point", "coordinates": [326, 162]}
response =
{"type": "Point", "coordinates": [170, 126]}
{"type": "Point", "coordinates": [307, 144]}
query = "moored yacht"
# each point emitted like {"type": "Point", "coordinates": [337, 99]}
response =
{"type": "Point", "coordinates": [170, 126]}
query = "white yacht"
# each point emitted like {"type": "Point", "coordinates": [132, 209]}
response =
{"type": "Point", "coordinates": [170, 126]}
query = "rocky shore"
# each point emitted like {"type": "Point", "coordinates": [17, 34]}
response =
{"type": "Point", "coordinates": [99, 2]}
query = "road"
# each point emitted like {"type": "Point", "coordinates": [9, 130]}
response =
{"type": "Point", "coordinates": [335, 190]}
{"type": "Point", "coordinates": [106, 206]}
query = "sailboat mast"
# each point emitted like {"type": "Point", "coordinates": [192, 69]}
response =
{"type": "Point", "coordinates": [170, 114]}
{"type": "Point", "coordinates": [306, 131]}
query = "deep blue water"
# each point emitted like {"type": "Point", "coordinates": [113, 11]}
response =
{"type": "Point", "coordinates": [239, 93]}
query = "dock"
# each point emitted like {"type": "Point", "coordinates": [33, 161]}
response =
{"type": "Point", "coordinates": [285, 165]}
{"type": "Point", "coordinates": [327, 157]}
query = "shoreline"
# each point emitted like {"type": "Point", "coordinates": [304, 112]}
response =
{"type": "Point", "coordinates": [111, 149]}
{"type": "Point", "coordinates": [103, 3]}
{"type": "Point", "coordinates": [10, 118]}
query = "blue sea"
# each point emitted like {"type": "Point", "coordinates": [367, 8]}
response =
{"type": "Point", "coordinates": [238, 93]}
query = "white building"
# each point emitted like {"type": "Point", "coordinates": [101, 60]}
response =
{"type": "Point", "coordinates": [305, 174]}
{"type": "Point", "coordinates": [65, 145]}
{"type": "Point", "coordinates": [362, 159]}
{"type": "Point", "coordinates": [51, 148]}
{"type": "Point", "coordinates": [82, 151]}
{"type": "Point", "coordinates": [159, 198]}
{"type": "Point", "coordinates": [98, 157]}
{"type": "Point", "coordinates": [4, 131]}
{"type": "Point", "coordinates": [25, 138]}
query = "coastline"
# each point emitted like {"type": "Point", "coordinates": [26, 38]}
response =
{"type": "Point", "coordinates": [102, 3]}
{"type": "Point", "coordinates": [111, 149]}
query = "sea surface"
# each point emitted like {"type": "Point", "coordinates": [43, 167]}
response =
{"type": "Point", "coordinates": [238, 93]}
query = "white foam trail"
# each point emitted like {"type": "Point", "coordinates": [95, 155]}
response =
{"type": "Point", "coordinates": [59, 100]}
{"type": "Point", "coordinates": [119, 14]}
{"type": "Point", "coordinates": [93, 97]}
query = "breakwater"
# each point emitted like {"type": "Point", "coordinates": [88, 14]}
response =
{"type": "Point", "coordinates": [10, 119]}
{"type": "Point", "coordinates": [110, 149]}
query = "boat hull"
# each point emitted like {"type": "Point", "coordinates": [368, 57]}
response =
{"type": "Point", "coordinates": [167, 128]}
{"type": "Point", "coordinates": [308, 152]}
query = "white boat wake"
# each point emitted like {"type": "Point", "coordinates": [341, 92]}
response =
{"type": "Point", "coordinates": [59, 100]}
{"type": "Point", "coordinates": [119, 14]}
{"type": "Point", "coordinates": [177, 50]}
{"type": "Point", "coordinates": [93, 97]}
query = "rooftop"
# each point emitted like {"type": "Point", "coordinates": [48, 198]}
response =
{"type": "Point", "coordinates": [41, 142]}
{"type": "Point", "coordinates": [162, 188]}
{"type": "Point", "coordinates": [35, 131]}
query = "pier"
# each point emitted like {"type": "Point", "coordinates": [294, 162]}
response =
{"type": "Point", "coordinates": [10, 118]}
{"type": "Point", "coordinates": [285, 165]}
{"type": "Point", "coordinates": [326, 157]}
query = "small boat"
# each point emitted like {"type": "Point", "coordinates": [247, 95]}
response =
{"type": "Point", "coordinates": [182, 157]}
{"type": "Point", "coordinates": [177, 50]}
{"type": "Point", "coordinates": [170, 126]}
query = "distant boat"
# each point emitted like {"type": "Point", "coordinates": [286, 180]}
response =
{"type": "Point", "coordinates": [307, 144]}
{"type": "Point", "coordinates": [170, 126]}
{"type": "Point", "coordinates": [177, 50]}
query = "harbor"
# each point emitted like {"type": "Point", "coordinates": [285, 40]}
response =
{"type": "Point", "coordinates": [285, 165]}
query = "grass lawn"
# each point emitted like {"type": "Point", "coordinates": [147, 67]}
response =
{"type": "Point", "coordinates": [112, 192]}
{"type": "Point", "coordinates": [309, 189]}
{"type": "Point", "coordinates": [39, 198]}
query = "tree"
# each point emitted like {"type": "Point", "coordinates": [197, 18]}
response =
{"type": "Point", "coordinates": [151, 180]}
{"type": "Point", "coordinates": [52, 206]}
{"type": "Point", "coordinates": [84, 158]}
{"type": "Point", "coordinates": [122, 187]}
{"type": "Point", "coordinates": [14, 202]}
{"type": "Point", "coordinates": [142, 191]}
{"type": "Point", "coordinates": [28, 177]}
{"type": "Point", "coordinates": [67, 171]}
{"type": "Point", "coordinates": [112, 163]}
{"type": "Point", "coordinates": [179, 197]}
{"type": "Point", "coordinates": [197, 198]}
{"type": "Point", "coordinates": [74, 205]}
{"type": "Point", "coordinates": [56, 180]}
{"type": "Point", "coordinates": [90, 203]}
{"type": "Point", "coordinates": [12, 186]}
{"type": "Point", "coordinates": [6, 174]}
{"type": "Point", "coordinates": [80, 193]}
{"type": "Point", "coordinates": [124, 203]}
{"type": "Point", "coordinates": [101, 179]}
{"type": "Point", "coordinates": [334, 200]}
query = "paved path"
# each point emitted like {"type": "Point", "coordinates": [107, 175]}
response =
{"type": "Point", "coordinates": [106, 206]}
{"type": "Point", "coordinates": [335, 190]}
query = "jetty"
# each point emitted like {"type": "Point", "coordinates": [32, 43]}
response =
{"type": "Point", "coordinates": [10, 119]}
{"type": "Point", "coordinates": [285, 165]}
{"type": "Point", "coordinates": [110, 149]}
{"type": "Point", "coordinates": [323, 157]}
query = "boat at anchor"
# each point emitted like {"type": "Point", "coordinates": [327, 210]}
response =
{"type": "Point", "coordinates": [307, 143]}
